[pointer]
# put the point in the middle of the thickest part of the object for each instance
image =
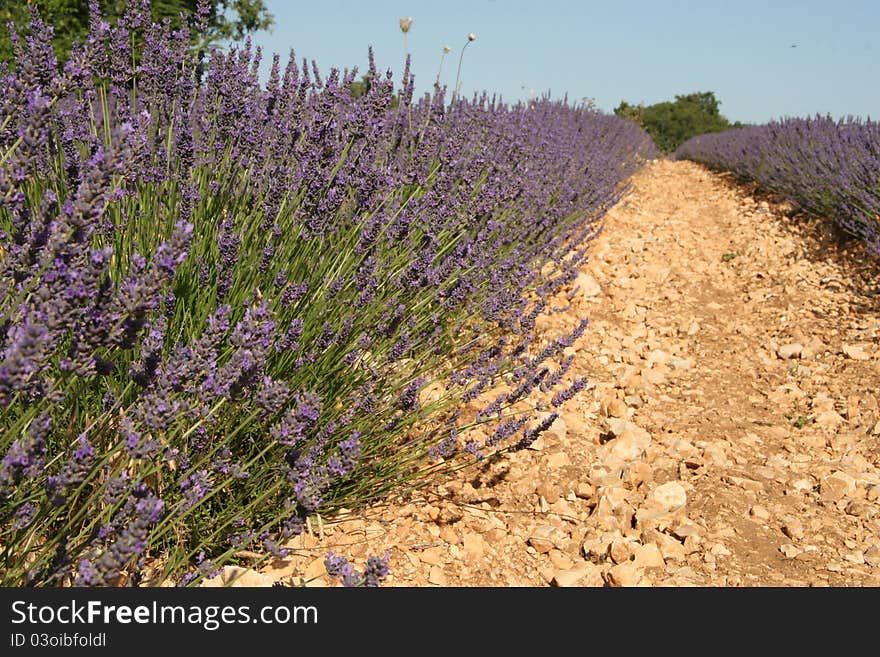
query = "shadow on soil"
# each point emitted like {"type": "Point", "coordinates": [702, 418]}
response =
{"type": "Point", "coordinates": [821, 240]}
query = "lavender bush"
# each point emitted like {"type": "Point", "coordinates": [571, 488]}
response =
{"type": "Point", "coordinates": [221, 302]}
{"type": "Point", "coordinates": [830, 168]}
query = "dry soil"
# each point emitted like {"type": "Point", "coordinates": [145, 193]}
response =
{"type": "Point", "coordinates": [730, 434]}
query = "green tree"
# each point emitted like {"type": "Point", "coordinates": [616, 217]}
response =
{"type": "Point", "coordinates": [671, 123]}
{"type": "Point", "coordinates": [704, 101]}
{"type": "Point", "coordinates": [229, 19]}
{"type": "Point", "coordinates": [630, 112]}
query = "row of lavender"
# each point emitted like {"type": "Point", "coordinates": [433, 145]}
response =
{"type": "Point", "coordinates": [830, 168]}
{"type": "Point", "coordinates": [222, 302]}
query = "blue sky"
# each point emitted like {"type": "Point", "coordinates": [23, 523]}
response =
{"type": "Point", "coordinates": [636, 50]}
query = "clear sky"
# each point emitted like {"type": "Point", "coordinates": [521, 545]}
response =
{"type": "Point", "coordinates": [764, 59]}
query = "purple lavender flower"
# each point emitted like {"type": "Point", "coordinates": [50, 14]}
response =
{"type": "Point", "coordinates": [134, 520]}
{"type": "Point", "coordinates": [473, 447]}
{"type": "Point", "coordinates": [25, 457]}
{"type": "Point", "coordinates": [829, 168]}
{"type": "Point", "coordinates": [274, 549]}
{"type": "Point", "coordinates": [376, 570]}
{"type": "Point", "coordinates": [531, 435]}
{"type": "Point", "coordinates": [73, 472]}
{"type": "Point", "coordinates": [338, 567]}
{"type": "Point", "coordinates": [24, 357]}
{"type": "Point", "coordinates": [194, 487]}
{"type": "Point", "coordinates": [297, 420]}
{"type": "Point", "coordinates": [505, 430]}
{"type": "Point", "coordinates": [222, 276]}
{"type": "Point", "coordinates": [564, 395]}
{"type": "Point", "coordinates": [116, 489]}
{"type": "Point", "coordinates": [343, 464]}
{"type": "Point", "coordinates": [445, 448]}
{"type": "Point", "coordinates": [24, 516]}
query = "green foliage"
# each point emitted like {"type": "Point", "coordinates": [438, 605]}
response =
{"type": "Point", "coordinates": [360, 88]}
{"type": "Point", "coordinates": [670, 124]}
{"type": "Point", "coordinates": [229, 19]}
{"type": "Point", "coordinates": [629, 112]}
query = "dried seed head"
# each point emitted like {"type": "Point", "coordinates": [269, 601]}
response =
{"type": "Point", "coordinates": [405, 24]}
{"type": "Point", "coordinates": [472, 36]}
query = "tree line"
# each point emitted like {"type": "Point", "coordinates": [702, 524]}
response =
{"type": "Point", "coordinates": [671, 123]}
{"type": "Point", "coordinates": [228, 19]}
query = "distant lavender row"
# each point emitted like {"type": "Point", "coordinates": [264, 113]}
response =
{"type": "Point", "coordinates": [221, 302]}
{"type": "Point", "coordinates": [830, 168]}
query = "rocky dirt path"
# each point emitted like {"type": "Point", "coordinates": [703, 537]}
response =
{"type": "Point", "coordinates": [730, 435]}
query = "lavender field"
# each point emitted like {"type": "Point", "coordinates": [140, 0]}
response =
{"type": "Point", "coordinates": [227, 306]}
{"type": "Point", "coordinates": [829, 168]}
